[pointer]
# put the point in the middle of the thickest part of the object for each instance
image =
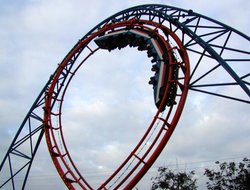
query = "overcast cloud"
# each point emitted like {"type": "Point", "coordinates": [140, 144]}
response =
{"type": "Point", "coordinates": [35, 35]}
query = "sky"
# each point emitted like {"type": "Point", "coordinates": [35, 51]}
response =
{"type": "Point", "coordinates": [35, 35]}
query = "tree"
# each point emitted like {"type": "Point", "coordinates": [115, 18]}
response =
{"type": "Point", "coordinates": [168, 180]}
{"type": "Point", "coordinates": [231, 176]}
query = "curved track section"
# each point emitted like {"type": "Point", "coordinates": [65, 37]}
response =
{"type": "Point", "coordinates": [217, 61]}
{"type": "Point", "coordinates": [157, 134]}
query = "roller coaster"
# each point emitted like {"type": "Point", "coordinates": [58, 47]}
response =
{"type": "Point", "coordinates": [178, 42]}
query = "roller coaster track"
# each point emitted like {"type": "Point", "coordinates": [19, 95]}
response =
{"type": "Point", "coordinates": [200, 40]}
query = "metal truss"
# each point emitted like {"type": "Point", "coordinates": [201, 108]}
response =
{"type": "Point", "coordinates": [18, 160]}
{"type": "Point", "coordinates": [219, 58]}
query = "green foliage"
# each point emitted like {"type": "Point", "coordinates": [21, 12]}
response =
{"type": "Point", "coordinates": [168, 180]}
{"type": "Point", "coordinates": [231, 176]}
{"type": "Point", "coordinates": [228, 176]}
